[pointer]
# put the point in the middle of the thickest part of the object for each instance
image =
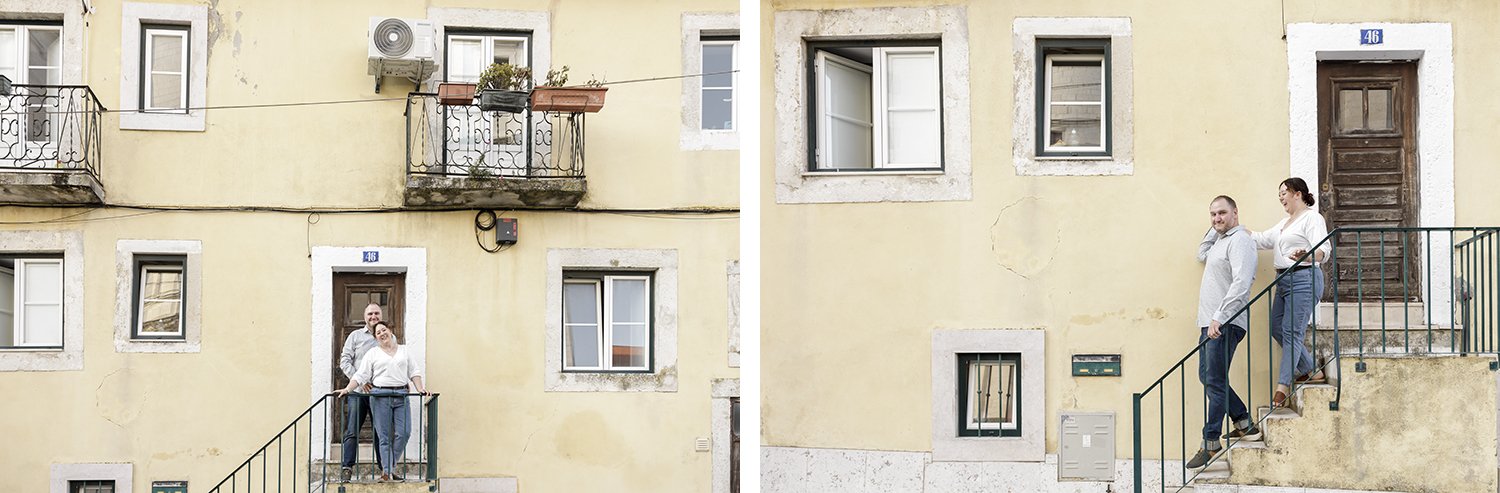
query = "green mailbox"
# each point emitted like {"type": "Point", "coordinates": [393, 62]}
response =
{"type": "Point", "coordinates": [1096, 365]}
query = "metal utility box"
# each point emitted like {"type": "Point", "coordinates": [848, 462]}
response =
{"type": "Point", "coordinates": [1086, 450]}
{"type": "Point", "coordinates": [169, 487]}
{"type": "Point", "coordinates": [1096, 365]}
{"type": "Point", "coordinates": [507, 231]}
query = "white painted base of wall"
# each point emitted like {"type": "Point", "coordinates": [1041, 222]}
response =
{"type": "Point", "coordinates": [820, 470]}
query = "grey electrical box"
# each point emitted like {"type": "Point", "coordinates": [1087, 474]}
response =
{"type": "Point", "coordinates": [507, 231]}
{"type": "Point", "coordinates": [1086, 451]}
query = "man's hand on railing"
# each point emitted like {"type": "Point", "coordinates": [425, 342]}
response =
{"type": "Point", "coordinates": [1213, 329]}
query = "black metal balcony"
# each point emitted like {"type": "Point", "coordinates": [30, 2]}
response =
{"type": "Point", "coordinates": [49, 146]}
{"type": "Point", "coordinates": [462, 156]}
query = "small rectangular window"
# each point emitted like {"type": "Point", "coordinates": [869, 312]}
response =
{"type": "Point", "coordinates": [989, 398]}
{"type": "Point", "coordinates": [607, 321]}
{"type": "Point", "coordinates": [720, 59]}
{"type": "Point", "coordinates": [876, 106]}
{"type": "Point", "coordinates": [91, 486]}
{"type": "Point", "coordinates": [31, 299]}
{"type": "Point", "coordinates": [164, 68]}
{"type": "Point", "coordinates": [1073, 97]}
{"type": "Point", "coordinates": [158, 298]}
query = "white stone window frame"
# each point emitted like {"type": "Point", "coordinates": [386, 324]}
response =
{"type": "Point", "coordinates": [71, 13]}
{"type": "Point", "coordinates": [70, 357]}
{"type": "Point", "coordinates": [1024, 34]}
{"type": "Point", "coordinates": [723, 389]}
{"type": "Point", "coordinates": [795, 182]}
{"type": "Point", "coordinates": [62, 475]}
{"type": "Point", "coordinates": [1431, 45]}
{"type": "Point", "coordinates": [137, 16]}
{"type": "Point", "coordinates": [538, 22]}
{"type": "Point", "coordinates": [126, 278]}
{"type": "Point", "coordinates": [663, 374]}
{"type": "Point", "coordinates": [693, 137]}
{"type": "Point", "coordinates": [732, 271]}
{"type": "Point", "coordinates": [947, 445]}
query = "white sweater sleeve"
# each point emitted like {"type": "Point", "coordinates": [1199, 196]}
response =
{"type": "Point", "coordinates": [1317, 228]}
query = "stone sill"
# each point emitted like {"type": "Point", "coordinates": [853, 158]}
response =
{"type": "Point", "coordinates": [427, 191]}
{"type": "Point", "coordinates": [47, 187]}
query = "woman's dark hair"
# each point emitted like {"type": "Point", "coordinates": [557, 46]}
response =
{"type": "Point", "coordinates": [1295, 184]}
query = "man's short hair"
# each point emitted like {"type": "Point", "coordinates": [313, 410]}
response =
{"type": "Point", "coordinates": [1226, 200]}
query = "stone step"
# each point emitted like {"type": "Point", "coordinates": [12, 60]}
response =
{"type": "Point", "coordinates": [380, 488]}
{"type": "Point", "coordinates": [1349, 313]}
{"type": "Point", "coordinates": [1394, 340]}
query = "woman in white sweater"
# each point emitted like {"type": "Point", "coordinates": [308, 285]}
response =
{"type": "Point", "coordinates": [387, 371]}
{"type": "Point", "coordinates": [1297, 292]}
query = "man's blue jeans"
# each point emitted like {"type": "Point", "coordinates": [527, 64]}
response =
{"type": "Point", "coordinates": [1296, 296]}
{"type": "Point", "coordinates": [392, 426]}
{"type": "Point", "coordinates": [356, 408]}
{"type": "Point", "coordinates": [1213, 371]}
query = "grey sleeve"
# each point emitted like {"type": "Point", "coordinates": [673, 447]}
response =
{"type": "Point", "coordinates": [1207, 243]}
{"type": "Point", "coordinates": [1242, 272]}
{"type": "Point", "coordinates": [346, 357]}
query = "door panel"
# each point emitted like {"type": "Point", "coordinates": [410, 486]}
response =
{"type": "Point", "coordinates": [1367, 171]}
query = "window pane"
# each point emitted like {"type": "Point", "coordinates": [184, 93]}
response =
{"type": "Point", "coordinates": [1351, 109]}
{"type": "Point", "coordinates": [629, 349]}
{"type": "Point", "coordinates": [43, 325]}
{"type": "Point", "coordinates": [160, 317]}
{"type": "Point", "coordinates": [911, 80]}
{"type": "Point", "coordinates": [580, 306]}
{"type": "Point", "coordinates": [629, 301]}
{"type": "Point", "coordinates": [167, 285]}
{"type": "Point", "coordinates": [166, 53]}
{"type": "Point", "coordinates": [44, 48]}
{"type": "Point", "coordinates": [582, 346]}
{"type": "Point", "coordinates": [508, 51]}
{"type": "Point", "coordinates": [718, 58]}
{"type": "Point", "coordinates": [43, 283]}
{"type": "Point", "coordinates": [849, 93]}
{"type": "Point", "coordinates": [7, 307]}
{"type": "Point", "coordinates": [1075, 126]}
{"type": "Point", "coordinates": [166, 91]}
{"type": "Point", "coordinates": [1077, 81]}
{"type": "Point", "coordinates": [912, 138]}
{"type": "Point", "coordinates": [9, 66]}
{"type": "Point", "coordinates": [1381, 117]}
{"type": "Point", "coordinates": [852, 145]}
{"type": "Point", "coordinates": [718, 109]}
{"type": "Point", "coordinates": [465, 60]}
{"type": "Point", "coordinates": [991, 394]}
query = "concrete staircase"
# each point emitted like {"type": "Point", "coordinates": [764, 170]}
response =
{"type": "Point", "coordinates": [1407, 423]}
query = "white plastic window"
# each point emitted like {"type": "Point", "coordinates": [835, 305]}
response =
{"type": "Point", "coordinates": [31, 55]}
{"type": "Point", "coordinates": [31, 303]}
{"type": "Point", "coordinates": [878, 108]}
{"type": "Point", "coordinates": [720, 59]}
{"type": "Point", "coordinates": [165, 71]}
{"type": "Point", "coordinates": [606, 324]}
{"type": "Point", "coordinates": [1074, 110]}
{"type": "Point", "coordinates": [159, 301]}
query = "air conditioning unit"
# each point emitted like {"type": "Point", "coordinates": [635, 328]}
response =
{"type": "Point", "coordinates": [401, 47]}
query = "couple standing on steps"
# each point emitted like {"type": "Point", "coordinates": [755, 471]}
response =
{"type": "Point", "coordinates": [382, 371]}
{"type": "Point", "coordinates": [1229, 257]}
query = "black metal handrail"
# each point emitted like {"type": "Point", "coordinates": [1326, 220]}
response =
{"type": "Point", "coordinates": [465, 141]}
{"type": "Point", "coordinates": [314, 467]}
{"type": "Point", "coordinates": [1474, 270]}
{"type": "Point", "coordinates": [54, 128]}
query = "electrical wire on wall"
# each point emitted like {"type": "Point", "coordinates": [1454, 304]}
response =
{"type": "Point", "coordinates": [481, 224]}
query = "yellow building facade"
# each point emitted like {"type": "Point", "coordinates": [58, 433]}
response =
{"type": "Point", "coordinates": [892, 249]}
{"type": "Point", "coordinates": [204, 196]}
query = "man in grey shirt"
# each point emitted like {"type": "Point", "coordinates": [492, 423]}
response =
{"type": "Point", "coordinates": [1228, 255]}
{"type": "Point", "coordinates": [357, 405]}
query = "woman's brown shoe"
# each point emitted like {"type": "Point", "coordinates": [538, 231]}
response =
{"type": "Point", "coordinates": [1316, 377]}
{"type": "Point", "coordinates": [1279, 399]}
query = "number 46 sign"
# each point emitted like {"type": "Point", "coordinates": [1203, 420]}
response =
{"type": "Point", "coordinates": [1371, 36]}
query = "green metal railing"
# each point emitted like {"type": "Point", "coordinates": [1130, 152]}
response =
{"type": "Point", "coordinates": [1465, 290]}
{"type": "Point", "coordinates": [301, 457]}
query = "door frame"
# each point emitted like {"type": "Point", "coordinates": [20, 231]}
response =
{"type": "Point", "coordinates": [1430, 45]}
{"type": "Point", "coordinates": [325, 261]}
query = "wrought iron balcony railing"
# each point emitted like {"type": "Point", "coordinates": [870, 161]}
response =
{"type": "Point", "coordinates": [50, 128]}
{"type": "Point", "coordinates": [464, 141]}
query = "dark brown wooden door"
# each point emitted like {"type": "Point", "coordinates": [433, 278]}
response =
{"type": "Point", "coordinates": [352, 292]}
{"type": "Point", "coordinates": [1367, 168]}
{"type": "Point", "coordinates": [734, 445]}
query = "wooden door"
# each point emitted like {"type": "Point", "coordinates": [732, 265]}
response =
{"type": "Point", "coordinates": [352, 292]}
{"type": "Point", "coordinates": [734, 445]}
{"type": "Point", "coordinates": [1367, 170]}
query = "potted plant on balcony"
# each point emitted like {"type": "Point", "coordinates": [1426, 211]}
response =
{"type": "Point", "coordinates": [504, 87]}
{"type": "Point", "coordinates": [555, 95]}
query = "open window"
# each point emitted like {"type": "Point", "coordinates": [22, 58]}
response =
{"type": "Point", "coordinates": [31, 302]}
{"type": "Point", "coordinates": [876, 107]}
{"type": "Point", "coordinates": [485, 143]}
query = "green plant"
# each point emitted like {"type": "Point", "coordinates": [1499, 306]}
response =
{"type": "Point", "coordinates": [505, 76]}
{"type": "Point", "coordinates": [594, 82]}
{"type": "Point", "coordinates": [478, 169]}
{"type": "Point", "coordinates": [557, 77]}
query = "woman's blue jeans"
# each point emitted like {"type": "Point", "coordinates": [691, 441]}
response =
{"type": "Point", "coordinates": [392, 426]}
{"type": "Point", "coordinates": [1296, 297]}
